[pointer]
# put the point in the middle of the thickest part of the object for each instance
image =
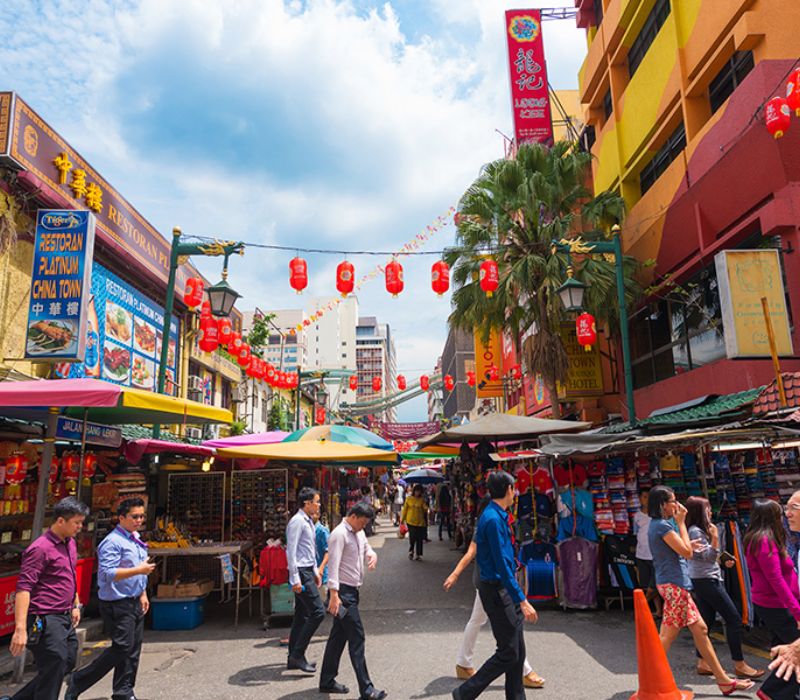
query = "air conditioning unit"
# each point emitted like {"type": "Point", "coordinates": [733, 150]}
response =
{"type": "Point", "coordinates": [194, 433]}
{"type": "Point", "coordinates": [195, 383]}
{"type": "Point", "coordinates": [239, 394]}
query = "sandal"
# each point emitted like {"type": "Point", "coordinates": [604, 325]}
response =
{"type": "Point", "coordinates": [757, 673]}
{"type": "Point", "coordinates": [733, 686]}
{"type": "Point", "coordinates": [533, 680]}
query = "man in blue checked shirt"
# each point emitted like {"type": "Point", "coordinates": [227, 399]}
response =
{"type": "Point", "coordinates": [304, 578]}
{"type": "Point", "coordinates": [123, 566]}
{"type": "Point", "coordinates": [502, 598]}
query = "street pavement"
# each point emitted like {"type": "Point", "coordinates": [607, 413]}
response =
{"type": "Point", "coordinates": [413, 633]}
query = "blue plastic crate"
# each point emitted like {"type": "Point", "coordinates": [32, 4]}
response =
{"type": "Point", "coordinates": [177, 613]}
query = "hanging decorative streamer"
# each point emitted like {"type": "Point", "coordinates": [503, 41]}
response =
{"type": "Point", "coordinates": [419, 240]}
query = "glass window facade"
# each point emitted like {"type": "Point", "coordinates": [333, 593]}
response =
{"type": "Point", "coordinates": [655, 20]}
{"type": "Point", "coordinates": [729, 78]}
{"type": "Point", "coordinates": [671, 149]}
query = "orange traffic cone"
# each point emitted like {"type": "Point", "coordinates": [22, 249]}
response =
{"type": "Point", "coordinates": [655, 676]}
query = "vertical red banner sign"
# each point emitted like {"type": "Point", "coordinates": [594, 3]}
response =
{"type": "Point", "coordinates": [530, 99]}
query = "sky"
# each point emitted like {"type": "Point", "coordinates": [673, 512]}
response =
{"type": "Point", "coordinates": [334, 124]}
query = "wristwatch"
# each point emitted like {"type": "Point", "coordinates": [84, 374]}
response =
{"type": "Point", "coordinates": [78, 607]}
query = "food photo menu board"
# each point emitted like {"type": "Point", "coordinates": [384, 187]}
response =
{"type": "Point", "coordinates": [123, 335]}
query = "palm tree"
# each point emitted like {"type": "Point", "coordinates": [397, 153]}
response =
{"type": "Point", "coordinates": [512, 212]}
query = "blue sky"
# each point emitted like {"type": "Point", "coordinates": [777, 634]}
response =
{"type": "Point", "coordinates": [322, 123]}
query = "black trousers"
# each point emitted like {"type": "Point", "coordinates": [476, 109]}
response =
{"type": "Point", "coordinates": [55, 655]}
{"type": "Point", "coordinates": [124, 621]}
{"type": "Point", "coordinates": [784, 631]}
{"type": "Point", "coordinates": [506, 620]}
{"type": "Point", "coordinates": [308, 615]}
{"type": "Point", "coordinates": [416, 536]}
{"type": "Point", "coordinates": [445, 521]}
{"type": "Point", "coordinates": [712, 598]}
{"type": "Point", "coordinates": [347, 630]}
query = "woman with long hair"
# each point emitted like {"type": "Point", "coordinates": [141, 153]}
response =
{"type": "Point", "coordinates": [709, 591]}
{"type": "Point", "coordinates": [464, 668]}
{"type": "Point", "coordinates": [415, 516]}
{"type": "Point", "coordinates": [671, 547]}
{"type": "Point", "coordinates": [776, 598]}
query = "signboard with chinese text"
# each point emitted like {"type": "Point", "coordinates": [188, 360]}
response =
{"type": "Point", "coordinates": [60, 279]}
{"type": "Point", "coordinates": [530, 97]}
{"type": "Point", "coordinates": [585, 372]}
{"type": "Point", "coordinates": [487, 355]}
{"type": "Point", "coordinates": [743, 278]}
{"type": "Point", "coordinates": [96, 434]}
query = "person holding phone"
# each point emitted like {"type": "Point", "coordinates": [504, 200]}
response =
{"type": "Point", "coordinates": [709, 591]}
{"type": "Point", "coordinates": [123, 566]}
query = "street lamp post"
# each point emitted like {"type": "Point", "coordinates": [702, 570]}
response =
{"type": "Point", "coordinates": [571, 292]}
{"type": "Point", "coordinates": [221, 296]}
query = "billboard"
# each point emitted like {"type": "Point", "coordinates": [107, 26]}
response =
{"type": "Point", "coordinates": [744, 277]}
{"type": "Point", "coordinates": [488, 354]}
{"type": "Point", "coordinates": [530, 97]}
{"type": "Point", "coordinates": [60, 278]}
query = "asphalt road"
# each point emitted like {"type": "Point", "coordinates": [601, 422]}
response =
{"type": "Point", "coordinates": [413, 632]}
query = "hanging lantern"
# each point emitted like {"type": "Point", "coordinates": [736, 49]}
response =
{"type": "Point", "coordinates": [401, 382]}
{"type": "Point", "coordinates": [52, 477]}
{"type": "Point", "coordinates": [793, 92]}
{"type": "Point", "coordinates": [193, 292]}
{"type": "Point", "coordinates": [471, 379]}
{"type": "Point", "coordinates": [440, 277]}
{"type": "Point", "coordinates": [235, 344]}
{"type": "Point", "coordinates": [458, 219]}
{"type": "Point", "coordinates": [777, 116]}
{"type": "Point", "coordinates": [394, 278]}
{"type": "Point", "coordinates": [70, 466]}
{"type": "Point", "coordinates": [89, 468]}
{"type": "Point", "coordinates": [252, 368]}
{"type": "Point", "coordinates": [376, 384]}
{"type": "Point", "coordinates": [209, 334]}
{"type": "Point", "coordinates": [449, 384]}
{"type": "Point", "coordinates": [586, 331]}
{"type": "Point", "coordinates": [345, 278]}
{"type": "Point", "coordinates": [271, 375]}
{"type": "Point", "coordinates": [489, 277]}
{"type": "Point", "coordinates": [16, 469]}
{"type": "Point", "coordinates": [224, 331]}
{"type": "Point", "coordinates": [516, 373]}
{"type": "Point", "coordinates": [353, 382]}
{"type": "Point", "coordinates": [494, 373]}
{"type": "Point", "coordinates": [282, 380]}
{"type": "Point", "coordinates": [298, 274]}
{"type": "Point", "coordinates": [424, 382]}
{"type": "Point", "coordinates": [319, 415]}
{"type": "Point", "coordinates": [205, 309]}
{"type": "Point", "coordinates": [244, 356]}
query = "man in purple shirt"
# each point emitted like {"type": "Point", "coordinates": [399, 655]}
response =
{"type": "Point", "coordinates": [47, 608]}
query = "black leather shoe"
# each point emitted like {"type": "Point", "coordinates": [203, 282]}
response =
{"type": "Point", "coordinates": [334, 688]}
{"type": "Point", "coordinates": [456, 694]}
{"type": "Point", "coordinates": [374, 694]}
{"type": "Point", "coordinates": [71, 693]}
{"type": "Point", "coordinates": [301, 665]}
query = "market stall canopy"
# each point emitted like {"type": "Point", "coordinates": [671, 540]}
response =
{"type": "Point", "coordinates": [583, 443]}
{"type": "Point", "coordinates": [502, 426]}
{"type": "Point", "coordinates": [423, 476]}
{"type": "Point", "coordinates": [345, 434]}
{"type": "Point", "coordinates": [136, 449]}
{"type": "Point", "coordinates": [311, 451]}
{"type": "Point", "coordinates": [269, 438]}
{"type": "Point", "coordinates": [102, 402]}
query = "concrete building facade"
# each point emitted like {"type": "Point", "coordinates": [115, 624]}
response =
{"type": "Point", "coordinates": [375, 357]}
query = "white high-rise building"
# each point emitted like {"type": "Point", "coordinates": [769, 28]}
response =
{"type": "Point", "coordinates": [285, 350]}
{"type": "Point", "coordinates": [375, 357]}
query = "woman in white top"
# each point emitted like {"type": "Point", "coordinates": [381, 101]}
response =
{"type": "Point", "coordinates": [644, 558]}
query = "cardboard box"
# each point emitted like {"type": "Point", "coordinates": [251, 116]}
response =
{"type": "Point", "coordinates": [189, 589]}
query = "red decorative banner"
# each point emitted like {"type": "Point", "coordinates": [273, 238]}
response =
{"type": "Point", "coordinates": [530, 99]}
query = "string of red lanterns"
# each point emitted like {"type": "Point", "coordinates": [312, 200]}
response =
{"type": "Point", "coordinates": [778, 110]}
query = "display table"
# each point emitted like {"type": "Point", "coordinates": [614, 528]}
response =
{"type": "Point", "coordinates": [212, 551]}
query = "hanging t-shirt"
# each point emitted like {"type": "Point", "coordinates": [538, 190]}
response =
{"type": "Point", "coordinates": [564, 476]}
{"type": "Point", "coordinates": [583, 503]}
{"type": "Point", "coordinates": [641, 525]}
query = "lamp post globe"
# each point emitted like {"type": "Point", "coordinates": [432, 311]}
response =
{"type": "Point", "coordinates": [222, 297]}
{"type": "Point", "coordinates": [571, 292]}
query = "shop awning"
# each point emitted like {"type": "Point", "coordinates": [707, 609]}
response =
{"type": "Point", "coordinates": [346, 434]}
{"type": "Point", "coordinates": [515, 454]}
{"type": "Point", "coordinates": [136, 449]}
{"type": "Point", "coordinates": [502, 427]}
{"type": "Point", "coordinates": [311, 451]}
{"type": "Point", "coordinates": [269, 438]}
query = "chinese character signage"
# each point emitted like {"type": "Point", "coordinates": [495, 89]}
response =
{"type": "Point", "coordinates": [744, 277]}
{"type": "Point", "coordinates": [62, 267]}
{"type": "Point", "coordinates": [123, 335]}
{"type": "Point", "coordinates": [488, 355]}
{"type": "Point", "coordinates": [585, 372]}
{"type": "Point", "coordinates": [530, 99]}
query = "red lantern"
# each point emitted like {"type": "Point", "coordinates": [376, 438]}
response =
{"type": "Point", "coordinates": [353, 382]}
{"type": "Point", "coordinates": [298, 274]}
{"type": "Point", "coordinates": [516, 373]}
{"type": "Point", "coordinates": [70, 467]}
{"type": "Point", "coordinates": [440, 277]}
{"type": "Point", "coordinates": [449, 384]}
{"type": "Point", "coordinates": [376, 384]}
{"type": "Point", "coordinates": [282, 380]}
{"type": "Point", "coordinates": [224, 331]}
{"type": "Point", "coordinates": [235, 344]}
{"type": "Point", "coordinates": [494, 373]}
{"type": "Point", "coordinates": [401, 382]}
{"type": "Point", "coordinates": [394, 278]}
{"type": "Point", "coordinates": [489, 277]}
{"type": "Point", "coordinates": [345, 278]}
{"type": "Point", "coordinates": [252, 368]}
{"type": "Point", "coordinates": [458, 219]}
{"type": "Point", "coordinates": [319, 415]}
{"type": "Point", "coordinates": [209, 334]}
{"type": "Point", "coordinates": [471, 379]}
{"type": "Point", "coordinates": [271, 375]}
{"type": "Point", "coordinates": [777, 116]}
{"type": "Point", "coordinates": [244, 356]}
{"type": "Point", "coordinates": [89, 467]}
{"type": "Point", "coordinates": [793, 92]}
{"type": "Point", "coordinates": [424, 382]}
{"type": "Point", "coordinates": [16, 469]}
{"type": "Point", "coordinates": [586, 331]}
{"type": "Point", "coordinates": [205, 309]}
{"type": "Point", "coordinates": [193, 292]}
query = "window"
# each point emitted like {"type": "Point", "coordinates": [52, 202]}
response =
{"type": "Point", "coordinates": [587, 138]}
{"type": "Point", "coordinates": [655, 20]}
{"type": "Point", "coordinates": [678, 334]}
{"type": "Point", "coordinates": [661, 160]}
{"type": "Point", "coordinates": [598, 12]}
{"type": "Point", "coordinates": [729, 78]}
{"type": "Point", "coordinates": [608, 104]}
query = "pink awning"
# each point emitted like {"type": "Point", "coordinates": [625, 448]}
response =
{"type": "Point", "coordinates": [136, 449]}
{"type": "Point", "coordinates": [63, 393]}
{"type": "Point", "coordinates": [251, 439]}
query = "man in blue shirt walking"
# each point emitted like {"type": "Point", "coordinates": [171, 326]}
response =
{"type": "Point", "coordinates": [123, 566]}
{"type": "Point", "coordinates": [502, 598]}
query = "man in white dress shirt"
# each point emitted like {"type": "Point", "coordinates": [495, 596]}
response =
{"type": "Point", "coordinates": [347, 549]}
{"type": "Point", "coordinates": [304, 578]}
